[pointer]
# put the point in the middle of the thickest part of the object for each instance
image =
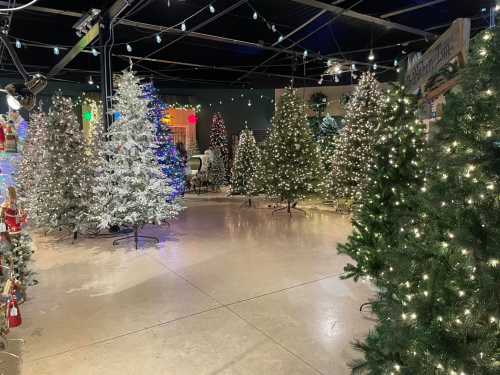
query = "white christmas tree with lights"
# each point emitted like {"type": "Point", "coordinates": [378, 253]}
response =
{"type": "Point", "coordinates": [131, 189]}
{"type": "Point", "coordinates": [354, 148]}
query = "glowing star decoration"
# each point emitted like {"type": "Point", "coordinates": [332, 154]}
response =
{"type": "Point", "coordinates": [192, 119]}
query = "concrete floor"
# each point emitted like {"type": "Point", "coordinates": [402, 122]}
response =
{"type": "Point", "coordinates": [227, 291]}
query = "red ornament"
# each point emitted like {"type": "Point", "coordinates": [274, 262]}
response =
{"type": "Point", "coordinates": [13, 313]}
{"type": "Point", "coordinates": [192, 119]}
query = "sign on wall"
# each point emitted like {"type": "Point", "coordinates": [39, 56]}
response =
{"type": "Point", "coordinates": [453, 43]}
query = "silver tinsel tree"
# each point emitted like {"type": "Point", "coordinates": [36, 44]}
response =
{"type": "Point", "coordinates": [354, 148]}
{"type": "Point", "coordinates": [131, 188]}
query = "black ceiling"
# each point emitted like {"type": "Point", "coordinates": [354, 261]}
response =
{"type": "Point", "coordinates": [204, 62]}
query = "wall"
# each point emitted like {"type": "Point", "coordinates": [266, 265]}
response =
{"type": "Point", "coordinates": [236, 113]}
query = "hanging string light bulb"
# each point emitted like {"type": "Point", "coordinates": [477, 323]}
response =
{"type": "Point", "coordinates": [211, 8]}
{"type": "Point", "coordinates": [371, 56]}
{"type": "Point", "coordinates": [280, 39]}
{"type": "Point", "coordinates": [128, 47]}
{"type": "Point", "coordinates": [94, 51]}
{"type": "Point", "coordinates": [56, 50]}
{"type": "Point", "coordinates": [18, 43]}
{"type": "Point", "coordinates": [183, 26]}
{"type": "Point", "coordinates": [255, 15]}
{"type": "Point", "coordinates": [158, 38]}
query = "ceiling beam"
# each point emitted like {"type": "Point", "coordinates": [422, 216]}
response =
{"type": "Point", "coordinates": [412, 8]}
{"type": "Point", "coordinates": [115, 9]}
{"type": "Point", "coordinates": [366, 18]}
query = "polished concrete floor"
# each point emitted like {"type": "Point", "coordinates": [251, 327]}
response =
{"type": "Point", "coordinates": [227, 291]}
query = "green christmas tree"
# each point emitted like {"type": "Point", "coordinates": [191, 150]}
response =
{"type": "Point", "coordinates": [396, 177]}
{"type": "Point", "coordinates": [217, 170]}
{"type": "Point", "coordinates": [246, 166]}
{"type": "Point", "coordinates": [439, 308]}
{"type": "Point", "coordinates": [354, 147]}
{"type": "Point", "coordinates": [291, 158]}
{"type": "Point", "coordinates": [329, 130]}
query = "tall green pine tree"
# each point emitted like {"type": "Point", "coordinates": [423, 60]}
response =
{"type": "Point", "coordinates": [290, 157]}
{"type": "Point", "coordinates": [244, 179]}
{"type": "Point", "coordinates": [354, 147]}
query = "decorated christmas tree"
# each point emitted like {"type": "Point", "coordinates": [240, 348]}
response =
{"type": "Point", "coordinates": [318, 103]}
{"type": "Point", "coordinates": [388, 203]}
{"type": "Point", "coordinates": [439, 310]}
{"type": "Point", "coordinates": [218, 139]}
{"type": "Point", "coordinates": [291, 158]}
{"type": "Point", "coordinates": [166, 154]}
{"type": "Point", "coordinates": [328, 132]}
{"type": "Point", "coordinates": [354, 147]}
{"type": "Point", "coordinates": [244, 179]}
{"type": "Point", "coordinates": [132, 189]}
{"type": "Point", "coordinates": [216, 170]}
{"type": "Point", "coordinates": [61, 193]}
{"type": "Point", "coordinates": [31, 166]}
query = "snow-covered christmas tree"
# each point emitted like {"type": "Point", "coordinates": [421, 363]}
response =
{"type": "Point", "coordinates": [132, 189]}
{"type": "Point", "coordinates": [290, 155]}
{"type": "Point", "coordinates": [218, 139]}
{"type": "Point", "coordinates": [354, 147]}
{"type": "Point", "coordinates": [217, 170]}
{"type": "Point", "coordinates": [31, 164]}
{"type": "Point", "coordinates": [61, 194]}
{"type": "Point", "coordinates": [244, 179]}
{"type": "Point", "coordinates": [166, 153]}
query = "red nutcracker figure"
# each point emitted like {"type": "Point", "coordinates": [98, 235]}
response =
{"type": "Point", "coordinates": [13, 313]}
{"type": "Point", "coordinates": [2, 137]}
{"type": "Point", "coordinates": [11, 215]}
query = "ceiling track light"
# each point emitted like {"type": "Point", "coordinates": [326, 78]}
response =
{"type": "Point", "coordinates": [371, 56]}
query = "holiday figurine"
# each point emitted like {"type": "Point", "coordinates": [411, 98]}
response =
{"type": "Point", "coordinates": [13, 313]}
{"type": "Point", "coordinates": [2, 136]}
{"type": "Point", "coordinates": [11, 215]}
{"type": "Point", "coordinates": [10, 137]}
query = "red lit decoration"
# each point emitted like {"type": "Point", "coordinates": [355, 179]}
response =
{"type": "Point", "coordinates": [13, 313]}
{"type": "Point", "coordinates": [192, 119]}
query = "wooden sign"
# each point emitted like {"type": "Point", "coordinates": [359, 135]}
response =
{"type": "Point", "coordinates": [453, 43]}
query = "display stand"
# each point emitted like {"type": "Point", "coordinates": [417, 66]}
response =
{"type": "Point", "coordinates": [136, 237]}
{"type": "Point", "coordinates": [289, 208]}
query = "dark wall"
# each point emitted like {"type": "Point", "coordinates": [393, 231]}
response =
{"type": "Point", "coordinates": [237, 113]}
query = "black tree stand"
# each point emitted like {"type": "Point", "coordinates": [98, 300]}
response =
{"type": "Point", "coordinates": [290, 208]}
{"type": "Point", "coordinates": [136, 237]}
{"type": "Point", "coordinates": [247, 203]}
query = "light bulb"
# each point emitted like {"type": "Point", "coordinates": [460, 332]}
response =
{"type": "Point", "coordinates": [320, 82]}
{"type": "Point", "coordinates": [371, 56]}
{"type": "Point", "coordinates": [375, 66]}
{"type": "Point", "coordinates": [183, 26]}
{"type": "Point", "coordinates": [305, 53]}
{"type": "Point", "coordinates": [396, 62]}
{"type": "Point", "coordinates": [398, 70]}
{"type": "Point", "coordinates": [128, 47]}
{"type": "Point", "coordinates": [280, 39]}
{"type": "Point", "coordinates": [353, 67]}
{"type": "Point", "coordinates": [56, 50]}
{"type": "Point", "coordinates": [158, 38]}
{"type": "Point", "coordinates": [273, 28]}
{"type": "Point", "coordinates": [91, 81]}
{"type": "Point", "coordinates": [255, 15]}
{"type": "Point", "coordinates": [94, 52]}
{"type": "Point", "coordinates": [249, 103]}
{"type": "Point", "coordinates": [18, 43]}
{"type": "Point", "coordinates": [211, 8]}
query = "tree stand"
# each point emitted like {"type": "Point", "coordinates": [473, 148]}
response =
{"type": "Point", "coordinates": [248, 203]}
{"type": "Point", "coordinates": [136, 237]}
{"type": "Point", "coordinates": [290, 208]}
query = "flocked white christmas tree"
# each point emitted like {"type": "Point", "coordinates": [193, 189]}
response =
{"type": "Point", "coordinates": [131, 189]}
{"type": "Point", "coordinates": [244, 179]}
{"type": "Point", "coordinates": [354, 148]}
{"type": "Point", "coordinates": [59, 195]}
